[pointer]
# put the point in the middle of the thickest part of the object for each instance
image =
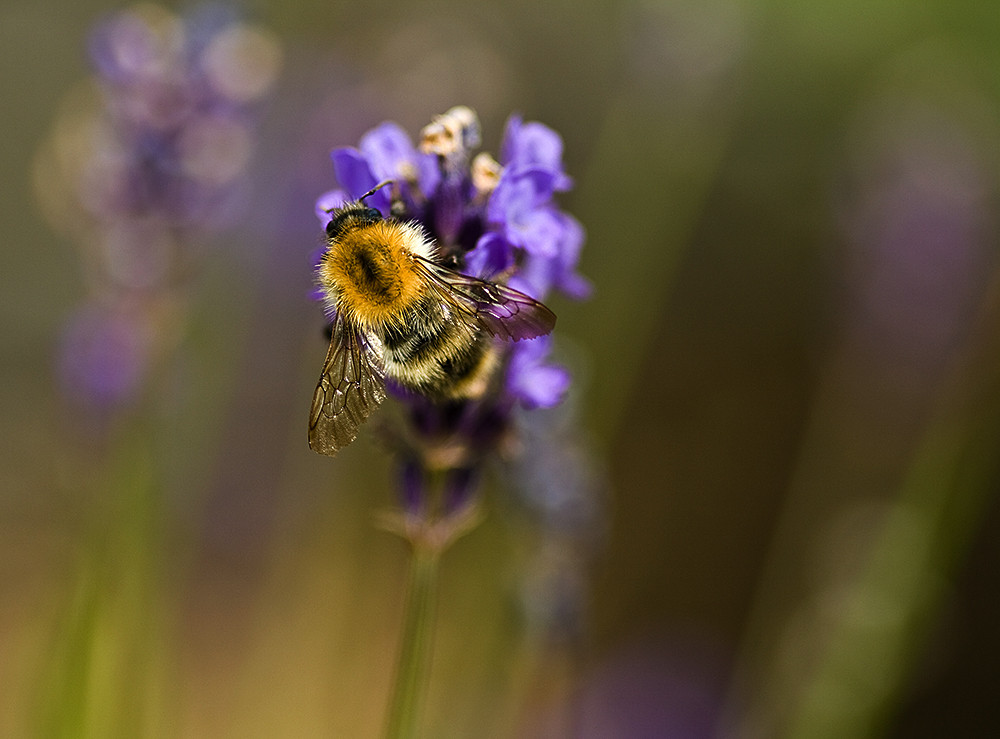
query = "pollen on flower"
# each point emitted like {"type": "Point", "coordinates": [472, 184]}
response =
{"type": "Point", "coordinates": [408, 172]}
{"type": "Point", "coordinates": [485, 172]}
{"type": "Point", "coordinates": [454, 132]}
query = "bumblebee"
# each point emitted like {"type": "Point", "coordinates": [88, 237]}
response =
{"type": "Point", "coordinates": [399, 313]}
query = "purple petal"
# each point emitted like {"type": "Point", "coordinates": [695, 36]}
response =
{"type": "Point", "coordinates": [388, 150]}
{"type": "Point", "coordinates": [491, 255]}
{"type": "Point", "coordinates": [327, 202]}
{"type": "Point", "coordinates": [537, 277]}
{"type": "Point", "coordinates": [428, 173]}
{"type": "Point", "coordinates": [534, 278]}
{"type": "Point", "coordinates": [355, 175]}
{"type": "Point", "coordinates": [576, 286]}
{"type": "Point", "coordinates": [540, 232]}
{"type": "Point", "coordinates": [518, 193]}
{"type": "Point", "coordinates": [509, 145]}
{"type": "Point", "coordinates": [535, 384]}
{"type": "Point", "coordinates": [534, 145]}
{"type": "Point", "coordinates": [353, 172]}
{"type": "Point", "coordinates": [392, 156]}
{"type": "Point", "coordinates": [545, 387]}
{"type": "Point", "coordinates": [539, 272]}
{"type": "Point", "coordinates": [565, 276]}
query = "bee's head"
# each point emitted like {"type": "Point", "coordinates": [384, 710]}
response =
{"type": "Point", "coordinates": [355, 215]}
{"type": "Point", "coordinates": [350, 218]}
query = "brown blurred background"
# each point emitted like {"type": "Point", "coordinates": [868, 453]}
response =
{"type": "Point", "coordinates": [787, 378]}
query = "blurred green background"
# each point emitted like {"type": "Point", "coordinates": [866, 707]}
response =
{"type": "Point", "coordinates": [788, 380]}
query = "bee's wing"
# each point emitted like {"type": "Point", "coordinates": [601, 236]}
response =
{"type": "Point", "coordinates": [499, 310]}
{"type": "Point", "coordinates": [350, 387]}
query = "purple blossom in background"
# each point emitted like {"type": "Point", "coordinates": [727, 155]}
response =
{"type": "Point", "coordinates": [493, 219]}
{"type": "Point", "coordinates": [159, 149]}
{"type": "Point", "coordinates": [108, 349]}
{"type": "Point", "coordinates": [564, 491]}
{"type": "Point", "coordinates": [178, 99]}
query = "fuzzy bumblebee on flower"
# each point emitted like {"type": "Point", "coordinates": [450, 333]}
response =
{"type": "Point", "coordinates": [436, 263]}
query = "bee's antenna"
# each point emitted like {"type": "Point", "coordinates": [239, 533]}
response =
{"type": "Point", "coordinates": [368, 194]}
{"type": "Point", "coordinates": [374, 190]}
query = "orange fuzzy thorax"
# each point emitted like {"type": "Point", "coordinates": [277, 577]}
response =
{"type": "Point", "coordinates": [368, 273]}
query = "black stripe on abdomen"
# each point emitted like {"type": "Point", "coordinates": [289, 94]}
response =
{"type": "Point", "coordinates": [436, 357]}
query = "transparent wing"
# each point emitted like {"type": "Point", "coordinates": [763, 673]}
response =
{"type": "Point", "coordinates": [350, 387]}
{"type": "Point", "coordinates": [501, 311]}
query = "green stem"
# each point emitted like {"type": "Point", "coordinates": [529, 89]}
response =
{"type": "Point", "coordinates": [418, 632]}
{"type": "Point", "coordinates": [101, 681]}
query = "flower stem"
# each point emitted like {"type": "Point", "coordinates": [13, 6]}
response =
{"type": "Point", "coordinates": [415, 649]}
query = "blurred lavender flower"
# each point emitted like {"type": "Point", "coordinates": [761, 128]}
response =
{"type": "Point", "coordinates": [146, 158]}
{"type": "Point", "coordinates": [152, 155]}
{"type": "Point", "coordinates": [564, 493]}
{"type": "Point", "coordinates": [495, 220]}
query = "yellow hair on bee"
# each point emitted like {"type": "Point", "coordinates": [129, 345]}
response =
{"type": "Point", "coordinates": [368, 274]}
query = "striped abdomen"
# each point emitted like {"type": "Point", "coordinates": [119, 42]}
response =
{"type": "Point", "coordinates": [437, 353]}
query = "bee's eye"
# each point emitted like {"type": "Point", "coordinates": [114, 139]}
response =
{"type": "Point", "coordinates": [335, 227]}
{"type": "Point", "coordinates": [349, 220]}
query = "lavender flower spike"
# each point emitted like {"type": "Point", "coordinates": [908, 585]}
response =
{"type": "Point", "coordinates": [495, 220]}
{"type": "Point", "coordinates": [154, 160]}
